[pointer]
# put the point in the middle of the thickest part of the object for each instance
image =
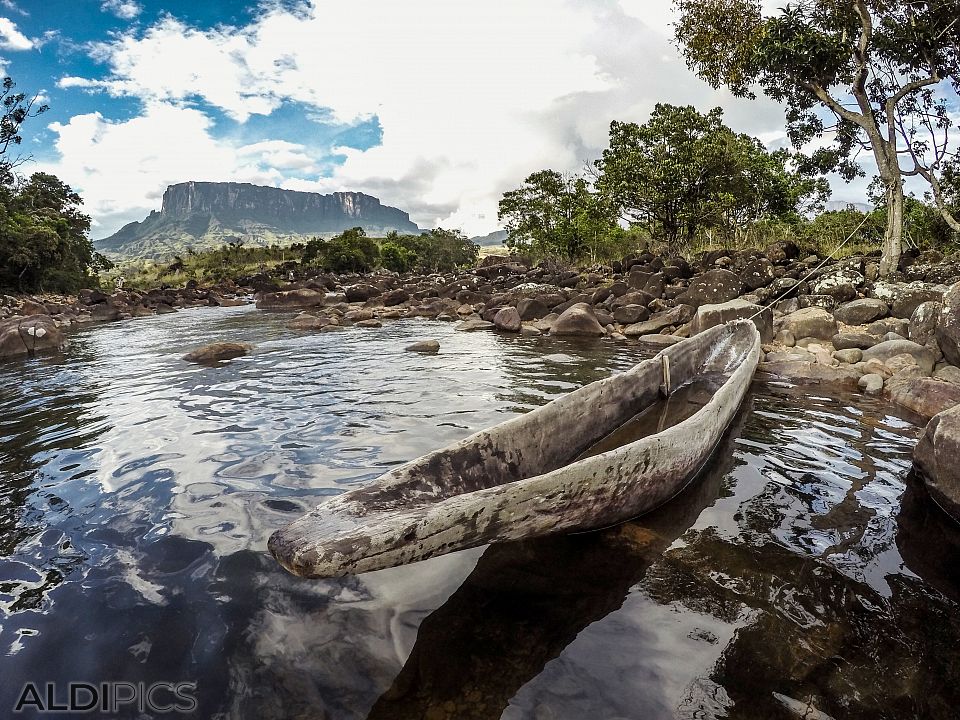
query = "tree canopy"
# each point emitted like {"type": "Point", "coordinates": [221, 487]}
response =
{"type": "Point", "coordinates": [683, 172]}
{"type": "Point", "coordinates": [555, 215]}
{"type": "Point", "coordinates": [874, 75]}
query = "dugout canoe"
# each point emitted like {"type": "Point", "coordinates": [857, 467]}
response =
{"type": "Point", "coordinates": [603, 454]}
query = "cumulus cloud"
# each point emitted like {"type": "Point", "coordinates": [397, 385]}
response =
{"type": "Point", "coordinates": [122, 168]}
{"type": "Point", "coordinates": [11, 38]}
{"type": "Point", "coordinates": [123, 9]}
{"type": "Point", "coordinates": [471, 97]}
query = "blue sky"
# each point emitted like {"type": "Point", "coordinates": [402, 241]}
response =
{"type": "Point", "coordinates": [434, 106]}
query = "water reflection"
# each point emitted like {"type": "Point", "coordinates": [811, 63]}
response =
{"type": "Point", "coordinates": [137, 493]}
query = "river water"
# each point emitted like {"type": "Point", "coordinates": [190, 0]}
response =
{"type": "Point", "coordinates": [801, 570]}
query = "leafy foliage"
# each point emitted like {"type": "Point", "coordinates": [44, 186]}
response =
{"type": "Point", "coordinates": [684, 172]}
{"type": "Point", "coordinates": [43, 237]}
{"type": "Point", "coordinates": [350, 251]}
{"type": "Point", "coordinates": [438, 250]}
{"type": "Point", "coordinates": [552, 215]}
{"type": "Point", "coordinates": [885, 72]}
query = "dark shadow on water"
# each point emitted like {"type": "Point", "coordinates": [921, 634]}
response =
{"type": "Point", "coordinates": [526, 601]}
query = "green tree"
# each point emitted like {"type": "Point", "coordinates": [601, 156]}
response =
{"type": "Point", "coordinates": [396, 257]}
{"type": "Point", "coordinates": [350, 251]}
{"type": "Point", "coordinates": [883, 71]}
{"type": "Point", "coordinates": [683, 172]}
{"type": "Point", "coordinates": [43, 237]}
{"type": "Point", "coordinates": [553, 215]}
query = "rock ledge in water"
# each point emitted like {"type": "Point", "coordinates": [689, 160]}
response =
{"type": "Point", "coordinates": [217, 352]}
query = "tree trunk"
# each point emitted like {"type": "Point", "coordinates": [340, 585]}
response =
{"type": "Point", "coordinates": [893, 238]}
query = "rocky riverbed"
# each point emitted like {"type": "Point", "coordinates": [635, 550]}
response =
{"type": "Point", "coordinates": [822, 322]}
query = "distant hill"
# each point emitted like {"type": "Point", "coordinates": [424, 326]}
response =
{"type": "Point", "coordinates": [495, 238]}
{"type": "Point", "coordinates": [208, 214]}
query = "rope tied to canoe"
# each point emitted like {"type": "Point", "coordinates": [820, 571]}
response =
{"type": "Point", "coordinates": [810, 274]}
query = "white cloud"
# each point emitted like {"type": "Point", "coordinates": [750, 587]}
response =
{"type": "Point", "coordinates": [122, 168]}
{"type": "Point", "coordinates": [11, 38]}
{"type": "Point", "coordinates": [13, 7]}
{"type": "Point", "coordinates": [123, 9]}
{"type": "Point", "coordinates": [471, 97]}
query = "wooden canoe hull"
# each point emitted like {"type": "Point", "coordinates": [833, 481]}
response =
{"type": "Point", "coordinates": [516, 479]}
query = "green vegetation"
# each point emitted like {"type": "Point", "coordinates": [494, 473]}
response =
{"type": "Point", "coordinates": [228, 262]}
{"type": "Point", "coordinates": [683, 179]}
{"type": "Point", "coordinates": [884, 74]}
{"type": "Point", "coordinates": [350, 251]}
{"type": "Point", "coordinates": [43, 234]}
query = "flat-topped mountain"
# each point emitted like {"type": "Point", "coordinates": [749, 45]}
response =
{"type": "Point", "coordinates": [208, 214]}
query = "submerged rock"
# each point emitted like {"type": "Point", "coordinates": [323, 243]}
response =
{"type": "Point", "coordinates": [217, 352]}
{"type": "Point", "coordinates": [804, 371]}
{"type": "Point", "coordinates": [424, 346]}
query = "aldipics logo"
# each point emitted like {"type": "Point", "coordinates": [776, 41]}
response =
{"type": "Point", "coordinates": [108, 698]}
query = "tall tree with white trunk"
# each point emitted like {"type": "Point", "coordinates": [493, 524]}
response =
{"type": "Point", "coordinates": [877, 76]}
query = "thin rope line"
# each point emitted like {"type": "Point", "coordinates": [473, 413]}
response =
{"type": "Point", "coordinates": [810, 274]}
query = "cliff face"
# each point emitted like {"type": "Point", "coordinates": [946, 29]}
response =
{"type": "Point", "coordinates": [206, 214]}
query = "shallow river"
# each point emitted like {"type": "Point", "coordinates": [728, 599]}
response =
{"type": "Point", "coordinates": [802, 569]}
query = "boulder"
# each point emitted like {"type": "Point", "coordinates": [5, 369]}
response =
{"type": "Point", "coordinates": [936, 458]}
{"type": "Point", "coordinates": [395, 297]}
{"type": "Point", "coordinates": [948, 373]}
{"type": "Point", "coordinates": [32, 307]}
{"type": "Point", "coordinates": [217, 352]}
{"type": "Point", "coordinates": [948, 327]}
{"type": "Point", "coordinates": [840, 283]}
{"type": "Point", "coordinates": [424, 346]}
{"type": "Point", "coordinates": [630, 314]}
{"type": "Point", "coordinates": [924, 396]}
{"type": "Point", "coordinates": [827, 302]}
{"type": "Point", "coordinates": [709, 316]}
{"type": "Point", "coordinates": [532, 309]}
{"type": "Point", "coordinates": [507, 319]}
{"type": "Point", "coordinates": [881, 328]}
{"type": "Point", "coordinates": [711, 288]}
{"type": "Point", "coordinates": [871, 384]}
{"type": "Point", "coordinates": [905, 298]}
{"type": "Point", "coordinates": [361, 292]}
{"type": "Point", "coordinates": [851, 356]}
{"type": "Point", "coordinates": [577, 319]}
{"type": "Point", "coordinates": [810, 322]}
{"type": "Point", "coordinates": [678, 315]}
{"type": "Point", "coordinates": [757, 274]}
{"type": "Point", "coordinates": [22, 336]}
{"type": "Point", "coordinates": [924, 322]}
{"type": "Point", "coordinates": [891, 348]}
{"type": "Point", "coordinates": [861, 312]}
{"type": "Point", "coordinates": [290, 299]}
{"type": "Point", "coordinates": [849, 340]}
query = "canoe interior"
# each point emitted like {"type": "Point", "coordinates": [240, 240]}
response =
{"type": "Point", "coordinates": [600, 417]}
